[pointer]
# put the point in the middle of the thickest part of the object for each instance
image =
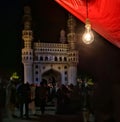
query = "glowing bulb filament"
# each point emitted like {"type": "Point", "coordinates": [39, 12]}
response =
{"type": "Point", "coordinates": [88, 36]}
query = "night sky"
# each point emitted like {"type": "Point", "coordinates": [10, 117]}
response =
{"type": "Point", "coordinates": [10, 21]}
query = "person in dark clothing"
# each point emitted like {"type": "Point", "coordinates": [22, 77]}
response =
{"type": "Point", "coordinates": [63, 100]}
{"type": "Point", "coordinates": [10, 99]}
{"type": "Point", "coordinates": [23, 92]}
{"type": "Point", "coordinates": [2, 100]}
{"type": "Point", "coordinates": [59, 104]}
{"type": "Point", "coordinates": [43, 93]}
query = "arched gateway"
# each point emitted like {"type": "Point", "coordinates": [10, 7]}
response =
{"type": "Point", "coordinates": [56, 61]}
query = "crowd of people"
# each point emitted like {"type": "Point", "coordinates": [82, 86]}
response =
{"type": "Point", "coordinates": [22, 96]}
{"type": "Point", "coordinates": [25, 97]}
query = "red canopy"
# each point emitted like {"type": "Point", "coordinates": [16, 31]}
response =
{"type": "Point", "coordinates": [103, 14]}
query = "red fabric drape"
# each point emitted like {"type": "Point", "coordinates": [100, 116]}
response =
{"type": "Point", "coordinates": [103, 14]}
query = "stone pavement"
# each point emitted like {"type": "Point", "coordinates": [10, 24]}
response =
{"type": "Point", "coordinates": [49, 110]}
{"type": "Point", "coordinates": [49, 116]}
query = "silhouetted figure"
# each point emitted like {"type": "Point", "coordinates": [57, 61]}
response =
{"type": "Point", "coordinates": [10, 98]}
{"type": "Point", "coordinates": [43, 94]}
{"type": "Point", "coordinates": [32, 95]}
{"type": "Point", "coordinates": [63, 100]}
{"type": "Point", "coordinates": [24, 98]}
{"type": "Point", "coordinates": [59, 104]}
{"type": "Point", "coordinates": [2, 100]}
{"type": "Point", "coordinates": [84, 95]}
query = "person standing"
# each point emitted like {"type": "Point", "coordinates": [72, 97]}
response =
{"type": "Point", "coordinates": [2, 99]}
{"type": "Point", "coordinates": [10, 98]}
{"type": "Point", "coordinates": [32, 95]}
{"type": "Point", "coordinates": [23, 92]}
{"type": "Point", "coordinates": [43, 94]}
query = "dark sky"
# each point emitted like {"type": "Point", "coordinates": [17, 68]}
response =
{"type": "Point", "coordinates": [101, 59]}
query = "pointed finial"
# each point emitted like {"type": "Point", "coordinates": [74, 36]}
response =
{"type": "Point", "coordinates": [62, 36]}
{"type": "Point", "coordinates": [27, 10]}
{"type": "Point", "coordinates": [27, 17]}
{"type": "Point", "coordinates": [71, 23]}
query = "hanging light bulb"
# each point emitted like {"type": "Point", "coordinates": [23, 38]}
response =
{"type": "Point", "coordinates": [88, 36]}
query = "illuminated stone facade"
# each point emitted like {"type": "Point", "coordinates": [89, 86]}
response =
{"type": "Point", "coordinates": [49, 61]}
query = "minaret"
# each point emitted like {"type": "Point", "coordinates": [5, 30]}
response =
{"type": "Point", "coordinates": [27, 51]}
{"type": "Point", "coordinates": [71, 36]}
{"type": "Point", "coordinates": [73, 53]}
{"type": "Point", "coordinates": [62, 37]}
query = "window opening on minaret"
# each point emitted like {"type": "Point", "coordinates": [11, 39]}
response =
{"type": "Point", "coordinates": [36, 72]}
{"type": "Point", "coordinates": [36, 79]}
{"type": "Point", "coordinates": [65, 72]}
{"type": "Point", "coordinates": [36, 66]}
{"type": "Point", "coordinates": [65, 67]}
